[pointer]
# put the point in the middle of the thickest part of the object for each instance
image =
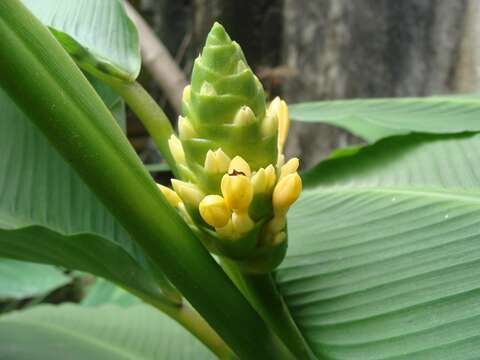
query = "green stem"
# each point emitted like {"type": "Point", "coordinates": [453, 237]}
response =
{"type": "Point", "coordinates": [45, 83]}
{"type": "Point", "coordinates": [191, 320]}
{"type": "Point", "coordinates": [147, 110]}
{"type": "Point", "coordinates": [262, 292]}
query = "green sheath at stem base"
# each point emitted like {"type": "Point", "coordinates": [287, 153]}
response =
{"type": "Point", "coordinates": [191, 320]}
{"type": "Point", "coordinates": [261, 291]}
{"type": "Point", "coordinates": [147, 110]}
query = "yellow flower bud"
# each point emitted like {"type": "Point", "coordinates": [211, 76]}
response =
{"type": "Point", "coordinates": [269, 125]}
{"type": "Point", "coordinates": [189, 193]}
{"type": "Point", "coordinates": [237, 191]}
{"type": "Point", "coordinates": [286, 192]}
{"type": "Point", "coordinates": [214, 211]}
{"type": "Point", "coordinates": [171, 196]}
{"type": "Point", "coordinates": [176, 149]}
{"type": "Point", "coordinates": [207, 89]}
{"type": "Point", "coordinates": [185, 129]}
{"type": "Point", "coordinates": [264, 180]}
{"type": "Point", "coordinates": [242, 222]}
{"type": "Point", "coordinates": [244, 116]}
{"type": "Point", "coordinates": [289, 168]}
{"type": "Point", "coordinates": [216, 162]}
{"type": "Point", "coordinates": [280, 160]}
{"type": "Point", "coordinates": [271, 177]}
{"type": "Point", "coordinates": [259, 181]}
{"type": "Point", "coordinates": [238, 165]}
{"type": "Point", "coordinates": [283, 124]}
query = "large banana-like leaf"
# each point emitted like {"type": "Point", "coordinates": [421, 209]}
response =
{"type": "Point", "coordinates": [97, 34]}
{"type": "Point", "coordinates": [374, 119]}
{"type": "Point", "coordinates": [104, 292]}
{"type": "Point", "coordinates": [109, 332]}
{"type": "Point", "coordinates": [48, 215]}
{"type": "Point", "coordinates": [384, 257]}
{"type": "Point", "coordinates": [19, 280]}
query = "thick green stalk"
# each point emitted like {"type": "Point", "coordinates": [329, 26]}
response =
{"type": "Point", "coordinates": [47, 85]}
{"type": "Point", "coordinates": [262, 292]}
{"type": "Point", "coordinates": [147, 110]}
{"type": "Point", "coordinates": [191, 320]}
{"type": "Point", "coordinates": [149, 113]}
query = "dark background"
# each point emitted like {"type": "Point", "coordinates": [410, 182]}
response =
{"type": "Point", "coordinates": [328, 49]}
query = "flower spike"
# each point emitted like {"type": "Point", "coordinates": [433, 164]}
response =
{"type": "Point", "coordinates": [235, 187]}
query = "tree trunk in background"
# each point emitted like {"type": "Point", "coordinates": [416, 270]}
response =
{"type": "Point", "coordinates": [367, 48]}
{"type": "Point", "coordinates": [255, 25]}
{"type": "Point", "coordinates": [332, 49]}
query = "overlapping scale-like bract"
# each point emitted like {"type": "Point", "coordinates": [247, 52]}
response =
{"type": "Point", "coordinates": [234, 188]}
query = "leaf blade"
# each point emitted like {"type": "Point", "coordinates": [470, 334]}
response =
{"type": "Point", "coordinates": [384, 255]}
{"type": "Point", "coordinates": [97, 34]}
{"type": "Point", "coordinates": [106, 332]}
{"type": "Point", "coordinates": [374, 119]}
{"type": "Point", "coordinates": [19, 280]}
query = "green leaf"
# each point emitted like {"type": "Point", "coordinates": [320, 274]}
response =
{"type": "Point", "coordinates": [48, 215]}
{"type": "Point", "coordinates": [108, 332]}
{"type": "Point", "coordinates": [54, 94]}
{"type": "Point", "coordinates": [374, 119]}
{"type": "Point", "coordinates": [97, 34]}
{"type": "Point", "coordinates": [114, 102]}
{"type": "Point", "coordinates": [19, 280]}
{"type": "Point", "coordinates": [104, 292]}
{"type": "Point", "coordinates": [384, 256]}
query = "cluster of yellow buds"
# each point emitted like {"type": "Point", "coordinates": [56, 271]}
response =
{"type": "Point", "coordinates": [235, 188]}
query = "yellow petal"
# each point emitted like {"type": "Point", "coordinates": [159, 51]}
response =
{"type": "Point", "coordinates": [238, 165]}
{"type": "Point", "coordinates": [216, 162]}
{"type": "Point", "coordinates": [271, 177]}
{"type": "Point", "coordinates": [289, 168]}
{"type": "Point", "coordinates": [286, 192]}
{"type": "Point", "coordinates": [280, 160]}
{"type": "Point", "coordinates": [185, 128]}
{"type": "Point", "coordinates": [283, 124]}
{"type": "Point", "coordinates": [171, 196]}
{"type": "Point", "coordinates": [259, 181]}
{"type": "Point", "coordinates": [189, 193]}
{"type": "Point", "coordinates": [244, 116]}
{"type": "Point", "coordinates": [237, 191]}
{"type": "Point", "coordinates": [176, 149]}
{"type": "Point", "coordinates": [223, 160]}
{"type": "Point", "coordinates": [269, 125]}
{"type": "Point", "coordinates": [214, 211]}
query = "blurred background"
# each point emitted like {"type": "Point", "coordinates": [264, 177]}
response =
{"type": "Point", "coordinates": [320, 49]}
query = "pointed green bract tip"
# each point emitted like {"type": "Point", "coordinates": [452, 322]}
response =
{"type": "Point", "coordinates": [217, 35]}
{"type": "Point", "coordinates": [222, 84]}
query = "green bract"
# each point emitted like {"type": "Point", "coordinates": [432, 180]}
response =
{"type": "Point", "coordinates": [215, 104]}
{"type": "Point", "coordinates": [229, 159]}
